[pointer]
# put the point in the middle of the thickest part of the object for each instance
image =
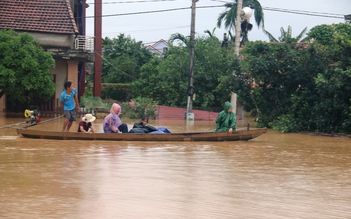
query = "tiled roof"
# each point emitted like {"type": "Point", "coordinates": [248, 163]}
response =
{"type": "Point", "coordinates": [49, 16]}
{"type": "Point", "coordinates": [153, 46]}
{"type": "Point", "coordinates": [150, 47]}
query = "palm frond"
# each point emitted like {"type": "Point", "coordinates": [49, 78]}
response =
{"type": "Point", "coordinates": [208, 32]}
{"type": "Point", "coordinates": [180, 37]}
{"type": "Point", "coordinates": [283, 35]}
{"type": "Point", "coordinates": [289, 33]}
{"type": "Point", "coordinates": [270, 36]}
{"type": "Point", "coordinates": [299, 37]}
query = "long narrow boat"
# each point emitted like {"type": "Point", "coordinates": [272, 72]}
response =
{"type": "Point", "coordinates": [238, 135]}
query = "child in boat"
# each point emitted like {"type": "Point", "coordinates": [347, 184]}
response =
{"type": "Point", "coordinates": [112, 123]}
{"type": "Point", "coordinates": [142, 127]}
{"type": "Point", "coordinates": [226, 119]}
{"type": "Point", "coordinates": [86, 125]}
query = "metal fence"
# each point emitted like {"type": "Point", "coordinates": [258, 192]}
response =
{"type": "Point", "coordinates": [84, 43]}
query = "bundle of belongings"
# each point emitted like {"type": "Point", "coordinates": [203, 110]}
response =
{"type": "Point", "coordinates": [139, 127]}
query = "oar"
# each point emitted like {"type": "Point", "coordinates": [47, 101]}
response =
{"type": "Point", "coordinates": [48, 120]}
{"type": "Point", "coordinates": [8, 126]}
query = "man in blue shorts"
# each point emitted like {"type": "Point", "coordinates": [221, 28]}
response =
{"type": "Point", "coordinates": [69, 104]}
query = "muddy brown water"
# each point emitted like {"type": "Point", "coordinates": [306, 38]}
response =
{"type": "Point", "coordinates": [273, 176]}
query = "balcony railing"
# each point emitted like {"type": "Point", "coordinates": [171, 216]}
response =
{"type": "Point", "coordinates": [84, 43]}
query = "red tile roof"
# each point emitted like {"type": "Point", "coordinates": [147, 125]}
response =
{"type": "Point", "coordinates": [49, 16]}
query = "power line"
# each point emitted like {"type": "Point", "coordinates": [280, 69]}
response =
{"type": "Point", "coordinates": [142, 1]}
{"type": "Point", "coordinates": [298, 12]}
{"type": "Point", "coordinates": [136, 13]}
{"type": "Point", "coordinates": [309, 13]}
{"type": "Point", "coordinates": [143, 30]}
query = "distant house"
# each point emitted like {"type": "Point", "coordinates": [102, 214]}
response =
{"type": "Point", "coordinates": [158, 47]}
{"type": "Point", "coordinates": [59, 26]}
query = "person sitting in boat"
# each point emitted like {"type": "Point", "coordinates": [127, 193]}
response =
{"type": "Point", "coordinates": [86, 125]}
{"type": "Point", "coordinates": [226, 119]}
{"type": "Point", "coordinates": [112, 123]}
{"type": "Point", "coordinates": [142, 127]}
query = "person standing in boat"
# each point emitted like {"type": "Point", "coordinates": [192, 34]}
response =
{"type": "Point", "coordinates": [86, 125]}
{"type": "Point", "coordinates": [226, 119]}
{"type": "Point", "coordinates": [112, 123]}
{"type": "Point", "coordinates": [69, 105]}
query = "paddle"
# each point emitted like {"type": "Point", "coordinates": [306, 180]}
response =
{"type": "Point", "coordinates": [27, 115]}
{"type": "Point", "coordinates": [8, 126]}
{"type": "Point", "coordinates": [41, 122]}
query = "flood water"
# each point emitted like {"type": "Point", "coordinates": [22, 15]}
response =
{"type": "Point", "coordinates": [273, 176]}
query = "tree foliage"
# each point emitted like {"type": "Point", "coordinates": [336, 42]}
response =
{"type": "Point", "coordinates": [122, 59]}
{"type": "Point", "coordinates": [228, 17]}
{"type": "Point", "coordinates": [323, 34]}
{"type": "Point", "coordinates": [25, 74]}
{"type": "Point", "coordinates": [166, 79]}
{"type": "Point", "coordinates": [286, 36]}
{"type": "Point", "coordinates": [288, 86]}
{"type": "Point", "coordinates": [275, 75]}
{"type": "Point", "coordinates": [298, 87]}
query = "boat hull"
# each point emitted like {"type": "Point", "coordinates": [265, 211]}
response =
{"type": "Point", "coordinates": [239, 135]}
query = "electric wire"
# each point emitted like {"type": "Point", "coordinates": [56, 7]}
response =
{"type": "Point", "coordinates": [298, 12]}
{"type": "Point", "coordinates": [128, 2]}
{"type": "Point", "coordinates": [317, 14]}
{"type": "Point", "coordinates": [292, 11]}
{"type": "Point", "coordinates": [121, 71]}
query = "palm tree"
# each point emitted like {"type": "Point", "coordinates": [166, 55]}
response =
{"type": "Point", "coordinates": [229, 17]}
{"type": "Point", "coordinates": [286, 36]}
{"type": "Point", "coordinates": [211, 34]}
{"type": "Point", "coordinates": [180, 37]}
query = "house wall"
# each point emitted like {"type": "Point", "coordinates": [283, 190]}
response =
{"type": "Point", "coordinates": [72, 73]}
{"type": "Point", "coordinates": [60, 71]}
{"type": "Point", "coordinates": [54, 40]}
{"type": "Point", "coordinates": [65, 70]}
{"type": "Point", "coordinates": [2, 104]}
{"type": "Point", "coordinates": [160, 46]}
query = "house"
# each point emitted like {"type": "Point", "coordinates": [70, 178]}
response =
{"type": "Point", "coordinates": [158, 47]}
{"type": "Point", "coordinates": [59, 26]}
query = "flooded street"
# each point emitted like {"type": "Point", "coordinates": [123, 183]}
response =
{"type": "Point", "coordinates": [273, 176]}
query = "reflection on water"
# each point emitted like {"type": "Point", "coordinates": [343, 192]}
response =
{"type": "Point", "coordinates": [273, 176]}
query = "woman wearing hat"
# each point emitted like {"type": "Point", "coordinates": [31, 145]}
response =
{"type": "Point", "coordinates": [86, 124]}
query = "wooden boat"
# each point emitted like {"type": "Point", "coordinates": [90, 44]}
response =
{"type": "Point", "coordinates": [238, 135]}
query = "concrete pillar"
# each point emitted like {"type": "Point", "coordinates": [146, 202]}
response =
{"type": "Point", "coordinates": [72, 73]}
{"type": "Point", "coordinates": [233, 101]}
{"type": "Point", "coordinates": [2, 104]}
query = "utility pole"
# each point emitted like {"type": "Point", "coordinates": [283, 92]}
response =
{"type": "Point", "coordinates": [190, 92]}
{"type": "Point", "coordinates": [97, 47]}
{"type": "Point", "coordinates": [238, 26]}
{"type": "Point", "coordinates": [239, 6]}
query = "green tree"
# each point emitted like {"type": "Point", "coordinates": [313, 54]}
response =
{"type": "Point", "coordinates": [275, 72]}
{"type": "Point", "coordinates": [333, 84]}
{"type": "Point", "coordinates": [295, 88]}
{"type": "Point", "coordinates": [166, 79]}
{"type": "Point", "coordinates": [229, 17]}
{"type": "Point", "coordinates": [25, 74]}
{"type": "Point", "coordinates": [286, 36]}
{"type": "Point", "coordinates": [323, 34]}
{"type": "Point", "coordinates": [122, 59]}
